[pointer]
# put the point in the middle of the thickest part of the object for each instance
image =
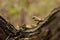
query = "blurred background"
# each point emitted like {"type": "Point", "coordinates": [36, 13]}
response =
{"type": "Point", "coordinates": [19, 12]}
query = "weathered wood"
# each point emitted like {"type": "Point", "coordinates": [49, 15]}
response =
{"type": "Point", "coordinates": [48, 30]}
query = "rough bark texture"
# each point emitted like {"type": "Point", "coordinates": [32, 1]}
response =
{"type": "Point", "coordinates": [50, 30]}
